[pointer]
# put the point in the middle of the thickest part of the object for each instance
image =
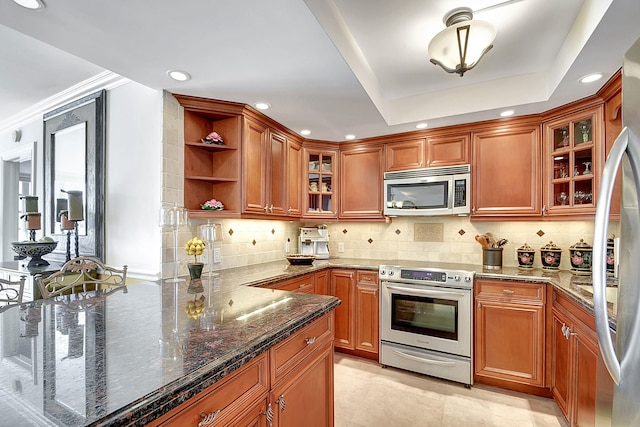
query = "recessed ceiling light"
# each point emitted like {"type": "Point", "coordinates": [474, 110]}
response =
{"type": "Point", "coordinates": [350, 136]}
{"type": "Point", "coordinates": [421, 126]}
{"type": "Point", "coordinates": [305, 132]}
{"type": "Point", "coordinates": [262, 105]}
{"type": "Point", "coordinates": [181, 76]}
{"type": "Point", "coordinates": [30, 4]}
{"type": "Point", "coordinates": [507, 113]}
{"type": "Point", "coordinates": [590, 78]}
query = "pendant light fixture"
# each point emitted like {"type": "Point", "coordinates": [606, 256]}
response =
{"type": "Point", "coordinates": [459, 47]}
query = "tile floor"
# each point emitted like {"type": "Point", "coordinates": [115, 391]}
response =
{"type": "Point", "coordinates": [367, 395]}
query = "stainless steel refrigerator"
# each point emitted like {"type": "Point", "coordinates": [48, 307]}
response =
{"type": "Point", "coordinates": [620, 349]}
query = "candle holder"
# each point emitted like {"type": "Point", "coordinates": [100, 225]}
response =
{"type": "Point", "coordinates": [210, 233]}
{"type": "Point", "coordinates": [173, 218]}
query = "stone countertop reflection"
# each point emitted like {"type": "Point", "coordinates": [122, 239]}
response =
{"type": "Point", "coordinates": [129, 357]}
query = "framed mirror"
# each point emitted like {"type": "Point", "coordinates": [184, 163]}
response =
{"type": "Point", "coordinates": [74, 144]}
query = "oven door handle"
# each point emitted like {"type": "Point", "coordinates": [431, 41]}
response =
{"type": "Point", "coordinates": [427, 361]}
{"type": "Point", "coordinates": [426, 293]}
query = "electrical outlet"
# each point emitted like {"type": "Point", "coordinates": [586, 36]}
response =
{"type": "Point", "coordinates": [217, 257]}
{"type": "Point", "coordinates": [287, 247]}
{"type": "Point", "coordinates": [340, 246]}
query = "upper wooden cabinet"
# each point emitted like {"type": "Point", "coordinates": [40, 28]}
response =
{"type": "Point", "coordinates": [573, 158]}
{"type": "Point", "coordinates": [361, 181]}
{"type": "Point", "coordinates": [210, 170]}
{"type": "Point", "coordinates": [265, 170]}
{"type": "Point", "coordinates": [292, 179]}
{"type": "Point", "coordinates": [612, 95]}
{"type": "Point", "coordinates": [448, 150]}
{"type": "Point", "coordinates": [320, 181]}
{"type": "Point", "coordinates": [506, 171]}
{"type": "Point", "coordinates": [405, 155]}
{"type": "Point", "coordinates": [436, 150]}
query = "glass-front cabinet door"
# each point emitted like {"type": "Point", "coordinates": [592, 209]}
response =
{"type": "Point", "coordinates": [573, 149]}
{"type": "Point", "coordinates": [321, 183]}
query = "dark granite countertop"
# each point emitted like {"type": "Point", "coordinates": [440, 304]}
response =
{"type": "Point", "coordinates": [128, 358]}
{"type": "Point", "coordinates": [575, 286]}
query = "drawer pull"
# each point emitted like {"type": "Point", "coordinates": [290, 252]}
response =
{"type": "Point", "coordinates": [281, 403]}
{"type": "Point", "coordinates": [508, 291]}
{"type": "Point", "coordinates": [310, 341]}
{"type": "Point", "coordinates": [207, 419]}
{"type": "Point", "coordinates": [269, 415]}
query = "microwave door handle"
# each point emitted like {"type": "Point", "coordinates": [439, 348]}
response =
{"type": "Point", "coordinates": [425, 292]}
{"type": "Point", "coordinates": [451, 192]}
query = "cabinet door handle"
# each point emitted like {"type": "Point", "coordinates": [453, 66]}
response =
{"type": "Point", "coordinates": [375, 292]}
{"type": "Point", "coordinates": [281, 403]}
{"type": "Point", "coordinates": [544, 209]}
{"type": "Point", "coordinates": [508, 291]}
{"type": "Point", "coordinates": [271, 209]}
{"type": "Point", "coordinates": [310, 341]}
{"type": "Point", "coordinates": [207, 419]}
{"type": "Point", "coordinates": [266, 208]}
{"type": "Point", "coordinates": [268, 415]}
{"type": "Point", "coordinates": [290, 210]}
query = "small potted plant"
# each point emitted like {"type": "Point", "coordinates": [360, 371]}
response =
{"type": "Point", "coordinates": [195, 247]}
{"type": "Point", "coordinates": [213, 138]}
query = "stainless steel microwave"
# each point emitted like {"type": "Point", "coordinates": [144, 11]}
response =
{"type": "Point", "coordinates": [430, 191]}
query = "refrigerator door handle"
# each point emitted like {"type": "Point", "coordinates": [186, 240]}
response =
{"type": "Point", "coordinates": [599, 253]}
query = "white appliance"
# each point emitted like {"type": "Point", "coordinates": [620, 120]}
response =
{"type": "Point", "coordinates": [622, 357]}
{"type": "Point", "coordinates": [429, 191]}
{"type": "Point", "coordinates": [314, 241]}
{"type": "Point", "coordinates": [425, 321]}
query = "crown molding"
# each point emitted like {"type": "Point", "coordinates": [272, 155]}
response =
{"type": "Point", "coordinates": [106, 80]}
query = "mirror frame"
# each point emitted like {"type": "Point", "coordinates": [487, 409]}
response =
{"type": "Point", "coordinates": [90, 109]}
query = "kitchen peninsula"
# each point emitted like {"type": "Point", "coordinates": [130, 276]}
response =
{"type": "Point", "coordinates": [134, 356]}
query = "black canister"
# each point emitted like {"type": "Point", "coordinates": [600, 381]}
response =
{"type": "Point", "coordinates": [611, 258]}
{"type": "Point", "coordinates": [550, 256]}
{"type": "Point", "coordinates": [580, 254]}
{"type": "Point", "coordinates": [525, 257]}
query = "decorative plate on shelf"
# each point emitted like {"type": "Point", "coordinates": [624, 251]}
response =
{"type": "Point", "coordinates": [299, 259]}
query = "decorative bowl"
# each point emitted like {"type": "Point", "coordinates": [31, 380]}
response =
{"type": "Point", "coordinates": [299, 259]}
{"type": "Point", "coordinates": [34, 250]}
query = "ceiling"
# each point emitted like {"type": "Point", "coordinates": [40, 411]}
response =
{"type": "Point", "coordinates": [335, 67]}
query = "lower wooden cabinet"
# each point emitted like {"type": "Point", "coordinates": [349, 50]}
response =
{"type": "Point", "coordinates": [357, 318]}
{"type": "Point", "coordinates": [321, 279]}
{"type": "Point", "coordinates": [304, 283]}
{"type": "Point", "coordinates": [510, 334]}
{"type": "Point", "coordinates": [289, 385]}
{"type": "Point", "coordinates": [305, 397]}
{"type": "Point", "coordinates": [574, 361]}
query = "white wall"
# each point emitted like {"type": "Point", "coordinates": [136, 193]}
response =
{"type": "Point", "coordinates": [133, 175]}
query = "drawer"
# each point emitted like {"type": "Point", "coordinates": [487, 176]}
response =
{"type": "Point", "coordinates": [288, 354]}
{"type": "Point", "coordinates": [505, 290]}
{"type": "Point", "coordinates": [299, 284]}
{"type": "Point", "coordinates": [231, 396]}
{"type": "Point", "coordinates": [367, 277]}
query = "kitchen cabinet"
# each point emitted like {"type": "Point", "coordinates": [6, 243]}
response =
{"type": "Point", "coordinates": [434, 150]}
{"type": "Point", "coordinates": [506, 171]}
{"type": "Point", "coordinates": [403, 155]}
{"type": "Point", "coordinates": [612, 96]}
{"type": "Point", "coordinates": [510, 334]}
{"type": "Point", "coordinates": [357, 317]}
{"type": "Point", "coordinates": [573, 155]}
{"type": "Point", "coordinates": [292, 178]}
{"type": "Point", "coordinates": [265, 170]}
{"type": "Point", "coordinates": [448, 150]}
{"type": "Point", "coordinates": [211, 170]}
{"type": "Point", "coordinates": [320, 182]}
{"type": "Point", "coordinates": [361, 181]}
{"type": "Point", "coordinates": [290, 385]}
{"type": "Point", "coordinates": [304, 283]}
{"type": "Point", "coordinates": [342, 287]}
{"type": "Point", "coordinates": [574, 361]}
{"type": "Point", "coordinates": [367, 308]}
{"type": "Point", "coordinates": [321, 279]}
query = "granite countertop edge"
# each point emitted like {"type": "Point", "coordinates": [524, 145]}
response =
{"type": "Point", "coordinates": [156, 404]}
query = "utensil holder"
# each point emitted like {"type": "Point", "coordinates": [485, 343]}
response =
{"type": "Point", "coordinates": [492, 258]}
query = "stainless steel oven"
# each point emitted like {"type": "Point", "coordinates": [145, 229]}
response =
{"type": "Point", "coordinates": [426, 321]}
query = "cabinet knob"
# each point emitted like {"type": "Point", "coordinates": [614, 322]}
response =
{"type": "Point", "coordinates": [207, 419]}
{"type": "Point", "coordinates": [310, 341]}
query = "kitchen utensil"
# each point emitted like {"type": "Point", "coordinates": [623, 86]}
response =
{"type": "Point", "coordinates": [482, 239]}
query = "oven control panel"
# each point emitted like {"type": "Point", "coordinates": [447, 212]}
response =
{"type": "Point", "coordinates": [426, 275]}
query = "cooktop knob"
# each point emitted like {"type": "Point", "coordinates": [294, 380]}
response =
{"type": "Point", "coordinates": [390, 272]}
{"type": "Point", "coordinates": [467, 278]}
{"type": "Point", "coordinates": [456, 278]}
{"type": "Point", "coordinates": [382, 272]}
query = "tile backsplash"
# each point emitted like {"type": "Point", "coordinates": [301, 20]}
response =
{"type": "Point", "coordinates": [437, 239]}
